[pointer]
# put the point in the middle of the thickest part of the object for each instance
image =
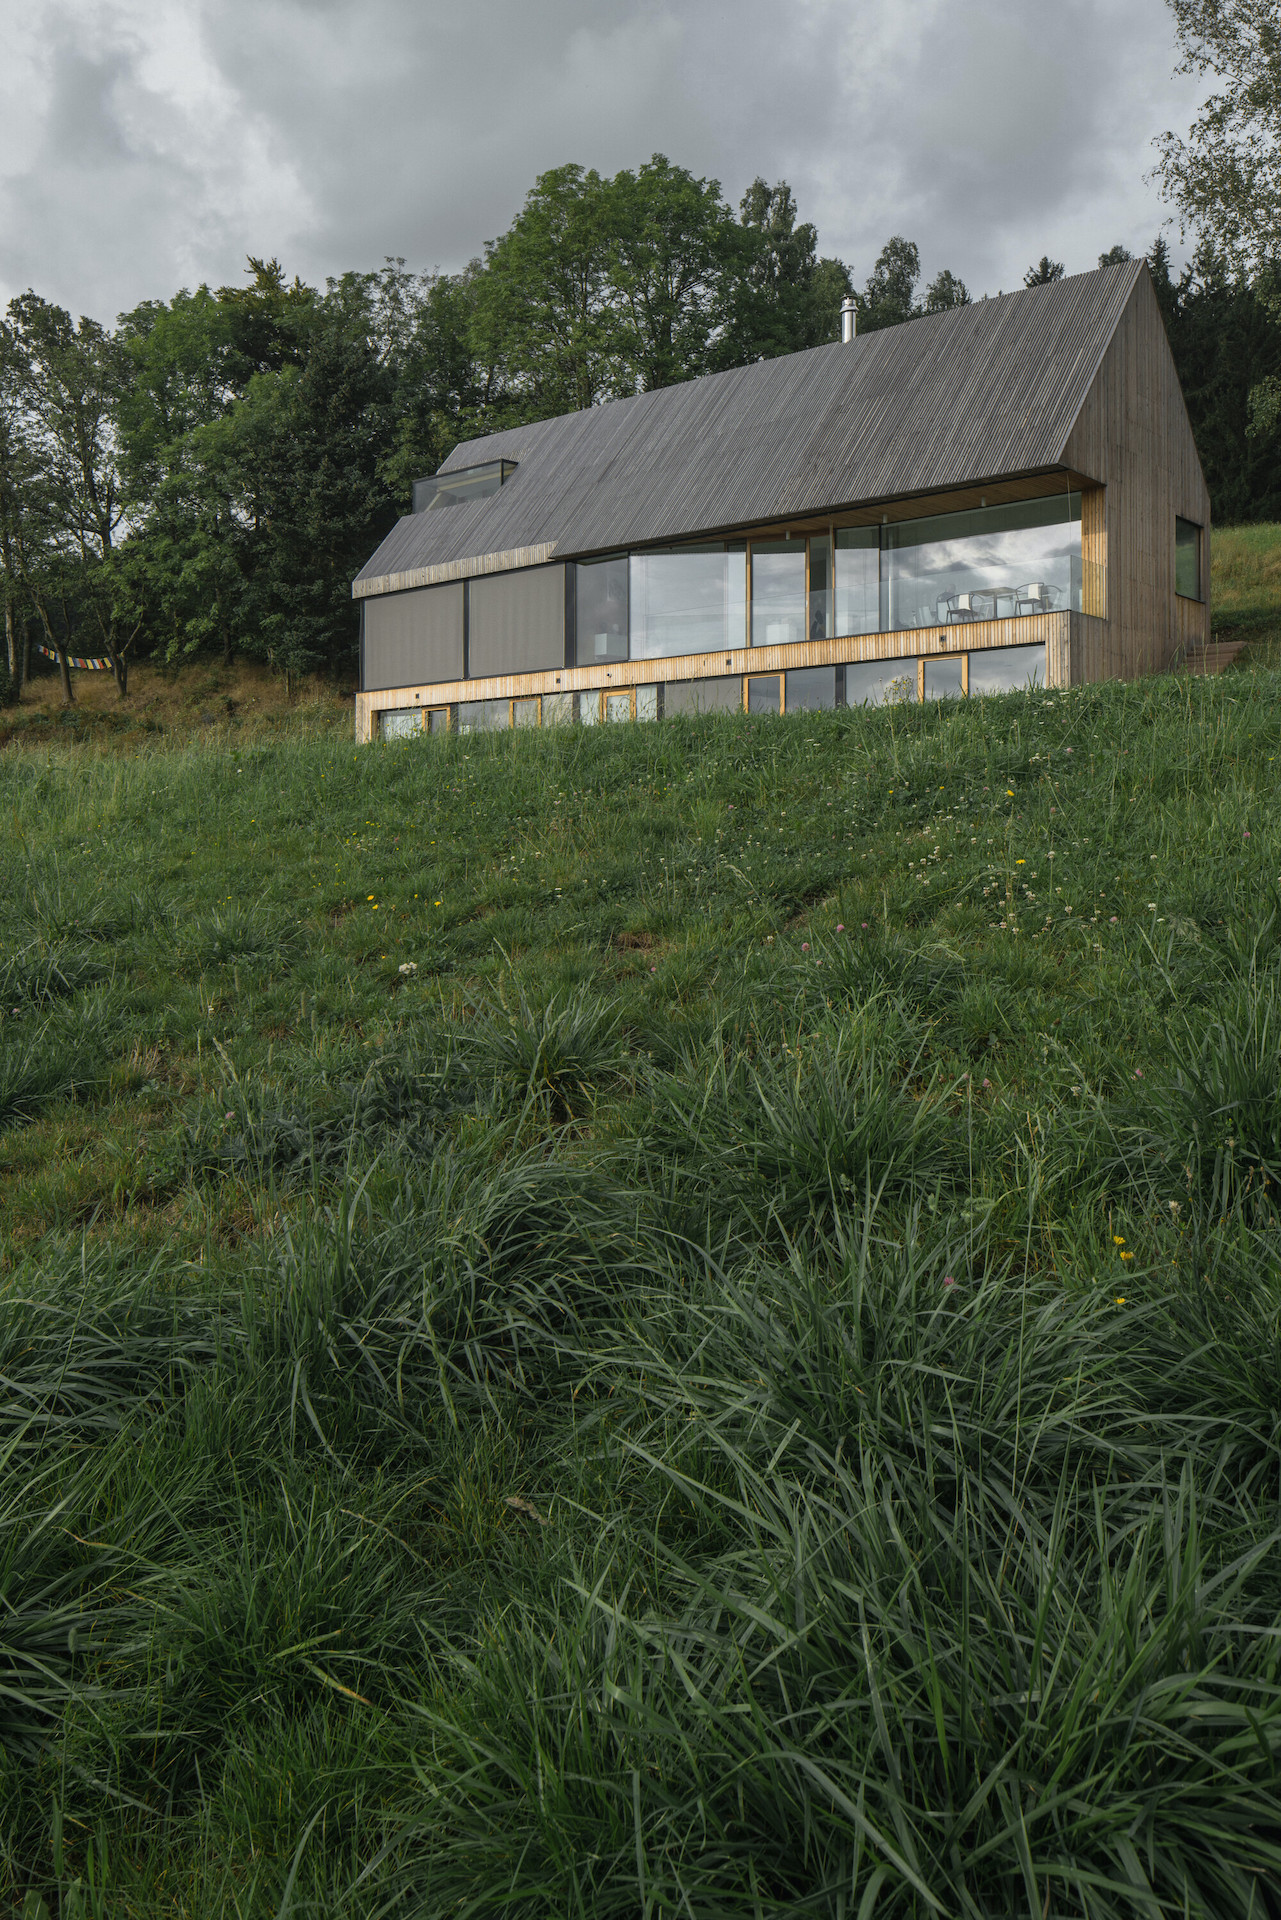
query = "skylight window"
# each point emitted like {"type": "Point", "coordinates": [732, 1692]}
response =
{"type": "Point", "coordinates": [462, 484]}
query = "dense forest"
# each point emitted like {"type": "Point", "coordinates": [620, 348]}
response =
{"type": "Point", "coordinates": [208, 474]}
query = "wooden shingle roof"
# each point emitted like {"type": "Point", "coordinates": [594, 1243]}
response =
{"type": "Point", "coordinates": [977, 393]}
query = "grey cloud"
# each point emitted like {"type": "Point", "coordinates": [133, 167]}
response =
{"type": "Point", "coordinates": [334, 133]}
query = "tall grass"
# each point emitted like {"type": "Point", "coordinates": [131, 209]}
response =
{"type": "Point", "coordinates": [675, 1321]}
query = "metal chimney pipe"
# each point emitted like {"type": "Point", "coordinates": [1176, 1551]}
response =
{"type": "Point", "coordinates": [849, 319]}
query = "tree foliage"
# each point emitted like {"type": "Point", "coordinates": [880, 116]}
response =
{"type": "Point", "coordinates": [1224, 179]}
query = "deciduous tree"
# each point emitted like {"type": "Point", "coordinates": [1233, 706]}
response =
{"type": "Point", "coordinates": [1224, 179]}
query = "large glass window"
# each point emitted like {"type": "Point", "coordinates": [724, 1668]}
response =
{"type": "Point", "coordinates": [990, 564]}
{"type": "Point", "coordinates": [1187, 559]}
{"type": "Point", "coordinates": [397, 722]}
{"type": "Point", "coordinates": [687, 600]}
{"type": "Point", "coordinates": [1004, 669]}
{"type": "Point", "coordinates": [873, 683]}
{"type": "Point", "coordinates": [763, 693]}
{"type": "Point", "coordinates": [858, 580]}
{"type": "Point", "coordinates": [778, 592]}
{"type": "Point", "coordinates": [601, 610]}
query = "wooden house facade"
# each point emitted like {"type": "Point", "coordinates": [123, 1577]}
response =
{"type": "Point", "coordinates": [1004, 494]}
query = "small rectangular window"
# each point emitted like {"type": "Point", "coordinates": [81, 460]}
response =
{"type": "Point", "coordinates": [464, 484]}
{"type": "Point", "coordinates": [483, 716]}
{"type": "Point", "coordinates": [1006, 669]}
{"type": "Point", "coordinates": [943, 679]}
{"type": "Point", "coordinates": [1187, 559]}
{"type": "Point", "coordinates": [763, 694]}
{"type": "Point", "coordinates": [811, 689]}
{"type": "Point", "coordinates": [875, 683]}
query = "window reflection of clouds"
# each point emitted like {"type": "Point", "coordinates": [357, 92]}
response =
{"type": "Point", "coordinates": [1019, 568]}
{"type": "Point", "coordinates": [690, 601]}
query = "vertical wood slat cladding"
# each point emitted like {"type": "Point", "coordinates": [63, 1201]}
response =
{"type": "Point", "coordinates": [1134, 436]}
{"type": "Point", "coordinates": [414, 638]}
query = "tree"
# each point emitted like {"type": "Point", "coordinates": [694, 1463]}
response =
{"type": "Point", "coordinates": [18, 473]}
{"type": "Point", "coordinates": [1044, 272]}
{"type": "Point", "coordinates": [780, 296]}
{"type": "Point", "coordinates": [1225, 335]}
{"type": "Point", "coordinates": [443, 389]}
{"type": "Point", "coordinates": [945, 291]}
{"type": "Point", "coordinates": [183, 570]}
{"type": "Point", "coordinates": [301, 458]}
{"type": "Point", "coordinates": [1225, 178]}
{"type": "Point", "coordinates": [889, 296]}
{"type": "Point", "coordinates": [543, 309]}
{"type": "Point", "coordinates": [1114, 256]}
{"type": "Point", "coordinates": [671, 247]}
{"type": "Point", "coordinates": [72, 377]}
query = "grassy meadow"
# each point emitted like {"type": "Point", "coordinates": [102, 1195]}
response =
{"type": "Point", "coordinates": [647, 1321]}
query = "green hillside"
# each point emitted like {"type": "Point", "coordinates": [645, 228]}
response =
{"type": "Point", "coordinates": [653, 1320]}
{"type": "Point", "coordinates": [1246, 590]}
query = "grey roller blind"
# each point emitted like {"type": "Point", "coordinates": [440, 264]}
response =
{"type": "Point", "coordinates": [516, 621]}
{"type": "Point", "coordinates": [413, 638]}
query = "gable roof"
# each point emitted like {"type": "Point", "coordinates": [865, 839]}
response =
{"type": "Point", "coordinates": [971, 394]}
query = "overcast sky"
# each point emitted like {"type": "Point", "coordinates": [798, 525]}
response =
{"type": "Point", "coordinates": [151, 144]}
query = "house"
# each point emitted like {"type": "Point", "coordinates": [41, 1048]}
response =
{"type": "Point", "coordinates": [1000, 494]}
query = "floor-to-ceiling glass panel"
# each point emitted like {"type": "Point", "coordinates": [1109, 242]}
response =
{"type": "Point", "coordinates": [647, 703]}
{"type": "Point", "coordinates": [736, 593]}
{"type": "Point", "coordinates": [811, 689]}
{"type": "Point", "coordinates": [944, 679]}
{"type": "Point", "coordinates": [1003, 669]}
{"type": "Point", "coordinates": [858, 580]}
{"type": "Point", "coordinates": [778, 592]}
{"type": "Point", "coordinates": [990, 564]}
{"type": "Point", "coordinates": [820, 588]}
{"type": "Point", "coordinates": [558, 709]}
{"type": "Point", "coordinates": [618, 706]}
{"type": "Point", "coordinates": [588, 708]}
{"type": "Point", "coordinates": [874, 683]}
{"type": "Point", "coordinates": [682, 601]}
{"type": "Point", "coordinates": [601, 610]}
{"type": "Point", "coordinates": [762, 694]}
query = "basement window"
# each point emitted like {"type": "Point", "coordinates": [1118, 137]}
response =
{"type": "Point", "coordinates": [463, 484]}
{"type": "Point", "coordinates": [1187, 559]}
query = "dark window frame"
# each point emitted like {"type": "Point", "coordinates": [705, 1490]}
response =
{"type": "Point", "coordinates": [1196, 544]}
